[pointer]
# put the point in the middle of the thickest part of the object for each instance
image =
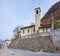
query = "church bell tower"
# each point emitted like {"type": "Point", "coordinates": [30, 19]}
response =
{"type": "Point", "coordinates": [37, 18]}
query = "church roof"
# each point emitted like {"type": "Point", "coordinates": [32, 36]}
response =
{"type": "Point", "coordinates": [46, 26]}
{"type": "Point", "coordinates": [28, 27]}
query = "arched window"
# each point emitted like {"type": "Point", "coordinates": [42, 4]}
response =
{"type": "Point", "coordinates": [34, 29]}
{"type": "Point", "coordinates": [46, 29]}
{"type": "Point", "coordinates": [37, 12]}
{"type": "Point", "coordinates": [23, 31]}
{"type": "Point", "coordinates": [28, 30]}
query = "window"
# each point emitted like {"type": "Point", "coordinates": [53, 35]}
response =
{"type": "Point", "coordinates": [46, 29]}
{"type": "Point", "coordinates": [28, 30]}
{"type": "Point", "coordinates": [34, 30]}
{"type": "Point", "coordinates": [37, 12]}
{"type": "Point", "coordinates": [23, 31]}
{"type": "Point", "coordinates": [43, 29]}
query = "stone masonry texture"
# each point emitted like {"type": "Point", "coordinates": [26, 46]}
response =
{"type": "Point", "coordinates": [34, 44]}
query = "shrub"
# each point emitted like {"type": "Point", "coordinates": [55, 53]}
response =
{"type": "Point", "coordinates": [56, 24]}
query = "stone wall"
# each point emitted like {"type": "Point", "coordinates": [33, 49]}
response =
{"type": "Point", "coordinates": [56, 39]}
{"type": "Point", "coordinates": [40, 43]}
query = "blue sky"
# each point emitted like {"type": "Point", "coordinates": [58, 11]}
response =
{"type": "Point", "coordinates": [15, 13]}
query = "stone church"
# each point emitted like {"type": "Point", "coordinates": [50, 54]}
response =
{"type": "Point", "coordinates": [38, 36]}
{"type": "Point", "coordinates": [43, 25]}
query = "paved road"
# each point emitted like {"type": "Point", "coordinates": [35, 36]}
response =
{"type": "Point", "coordinates": [12, 52]}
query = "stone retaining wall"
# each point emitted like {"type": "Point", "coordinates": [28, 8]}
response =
{"type": "Point", "coordinates": [33, 44]}
{"type": "Point", "coordinates": [56, 39]}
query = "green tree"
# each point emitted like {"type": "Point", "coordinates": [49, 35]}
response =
{"type": "Point", "coordinates": [57, 24]}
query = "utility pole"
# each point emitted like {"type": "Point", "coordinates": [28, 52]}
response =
{"type": "Point", "coordinates": [52, 32]}
{"type": "Point", "coordinates": [52, 20]}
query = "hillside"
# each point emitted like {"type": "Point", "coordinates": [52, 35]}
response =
{"type": "Point", "coordinates": [55, 10]}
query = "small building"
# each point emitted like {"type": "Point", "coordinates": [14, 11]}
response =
{"type": "Point", "coordinates": [6, 43]}
{"type": "Point", "coordinates": [1, 45]}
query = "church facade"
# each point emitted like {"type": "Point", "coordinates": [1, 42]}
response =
{"type": "Point", "coordinates": [37, 27]}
